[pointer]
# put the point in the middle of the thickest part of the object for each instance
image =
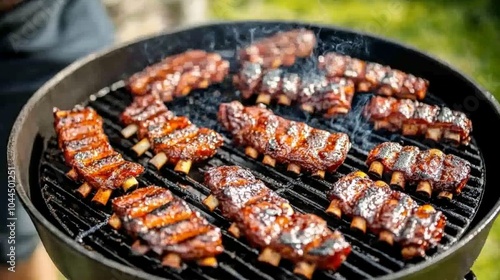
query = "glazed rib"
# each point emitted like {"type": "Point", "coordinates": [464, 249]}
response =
{"type": "Point", "coordinates": [314, 92]}
{"type": "Point", "coordinates": [370, 76]}
{"type": "Point", "coordinates": [166, 225]}
{"type": "Point", "coordinates": [173, 139]}
{"type": "Point", "coordinates": [284, 141]}
{"type": "Point", "coordinates": [268, 222]}
{"type": "Point", "coordinates": [431, 169]}
{"type": "Point", "coordinates": [177, 75]}
{"type": "Point", "coordinates": [144, 111]}
{"type": "Point", "coordinates": [88, 152]}
{"type": "Point", "coordinates": [392, 215]}
{"type": "Point", "coordinates": [416, 118]}
{"type": "Point", "coordinates": [280, 49]}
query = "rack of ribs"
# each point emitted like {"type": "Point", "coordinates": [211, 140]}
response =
{"type": "Point", "coordinates": [179, 74]}
{"type": "Point", "coordinates": [393, 216]}
{"type": "Point", "coordinates": [88, 152]}
{"type": "Point", "coordinates": [269, 223]}
{"type": "Point", "coordinates": [431, 169]}
{"type": "Point", "coordinates": [166, 225]}
{"type": "Point", "coordinates": [437, 123]}
{"type": "Point", "coordinates": [280, 49]}
{"type": "Point", "coordinates": [314, 92]}
{"type": "Point", "coordinates": [173, 139]}
{"type": "Point", "coordinates": [374, 77]}
{"type": "Point", "coordinates": [280, 140]}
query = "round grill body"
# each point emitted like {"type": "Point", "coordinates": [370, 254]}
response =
{"type": "Point", "coordinates": [84, 247]}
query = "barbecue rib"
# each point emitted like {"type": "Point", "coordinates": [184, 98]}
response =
{"type": "Point", "coordinates": [280, 49]}
{"type": "Point", "coordinates": [87, 151]}
{"type": "Point", "coordinates": [431, 169]}
{"type": "Point", "coordinates": [269, 223]}
{"type": "Point", "coordinates": [370, 76]}
{"type": "Point", "coordinates": [417, 118]}
{"type": "Point", "coordinates": [313, 92]}
{"type": "Point", "coordinates": [166, 225]}
{"type": "Point", "coordinates": [392, 215]}
{"type": "Point", "coordinates": [284, 141]}
{"type": "Point", "coordinates": [173, 139]}
{"type": "Point", "coordinates": [178, 74]}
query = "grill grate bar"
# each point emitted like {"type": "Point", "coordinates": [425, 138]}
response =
{"type": "Point", "coordinates": [305, 193]}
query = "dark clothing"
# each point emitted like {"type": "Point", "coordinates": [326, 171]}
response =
{"type": "Point", "coordinates": [38, 38]}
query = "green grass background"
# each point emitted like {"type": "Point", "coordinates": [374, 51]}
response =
{"type": "Point", "coordinates": [463, 33]}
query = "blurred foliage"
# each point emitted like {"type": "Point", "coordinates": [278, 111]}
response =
{"type": "Point", "coordinates": [463, 33]}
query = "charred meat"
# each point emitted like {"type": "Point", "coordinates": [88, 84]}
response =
{"type": "Point", "coordinates": [374, 77]}
{"type": "Point", "coordinates": [280, 49]}
{"type": "Point", "coordinates": [145, 111]}
{"type": "Point", "coordinates": [87, 151]}
{"type": "Point", "coordinates": [178, 74]}
{"type": "Point", "coordinates": [173, 139]}
{"type": "Point", "coordinates": [284, 141]}
{"type": "Point", "coordinates": [314, 92]}
{"type": "Point", "coordinates": [268, 222]}
{"type": "Point", "coordinates": [416, 118]}
{"type": "Point", "coordinates": [431, 169]}
{"type": "Point", "coordinates": [167, 226]}
{"type": "Point", "coordinates": [392, 215]}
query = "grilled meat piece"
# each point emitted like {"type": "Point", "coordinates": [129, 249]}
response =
{"type": "Point", "coordinates": [312, 91]}
{"type": "Point", "coordinates": [201, 146]}
{"type": "Point", "coordinates": [280, 49]}
{"type": "Point", "coordinates": [423, 229]}
{"type": "Point", "coordinates": [177, 75]}
{"type": "Point", "coordinates": [236, 187]}
{"type": "Point", "coordinates": [80, 134]}
{"type": "Point", "coordinates": [454, 175]}
{"type": "Point", "coordinates": [139, 83]}
{"type": "Point", "coordinates": [307, 238]}
{"type": "Point", "coordinates": [385, 153]}
{"type": "Point", "coordinates": [346, 192]}
{"type": "Point", "coordinates": [370, 76]}
{"type": "Point", "coordinates": [143, 108]}
{"type": "Point", "coordinates": [405, 159]}
{"type": "Point", "coordinates": [145, 111]}
{"type": "Point", "coordinates": [87, 150]}
{"type": "Point", "coordinates": [416, 118]}
{"type": "Point", "coordinates": [171, 132]}
{"type": "Point", "coordinates": [394, 216]}
{"type": "Point", "coordinates": [173, 139]}
{"type": "Point", "coordinates": [141, 202]}
{"type": "Point", "coordinates": [109, 172]}
{"type": "Point", "coordinates": [284, 141]}
{"type": "Point", "coordinates": [248, 78]}
{"type": "Point", "coordinates": [268, 221]}
{"type": "Point", "coordinates": [427, 166]}
{"type": "Point", "coordinates": [166, 224]}
{"type": "Point", "coordinates": [70, 118]}
{"type": "Point", "coordinates": [263, 221]}
{"type": "Point", "coordinates": [431, 169]}
{"type": "Point", "coordinates": [178, 139]}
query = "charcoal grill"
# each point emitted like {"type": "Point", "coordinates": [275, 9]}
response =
{"type": "Point", "coordinates": [81, 244]}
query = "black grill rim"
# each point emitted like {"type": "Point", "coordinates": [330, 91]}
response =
{"type": "Point", "coordinates": [17, 133]}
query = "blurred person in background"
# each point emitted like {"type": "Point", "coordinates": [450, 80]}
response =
{"type": "Point", "coordinates": [38, 38]}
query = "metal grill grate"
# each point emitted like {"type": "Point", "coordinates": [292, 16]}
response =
{"type": "Point", "coordinates": [87, 224]}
